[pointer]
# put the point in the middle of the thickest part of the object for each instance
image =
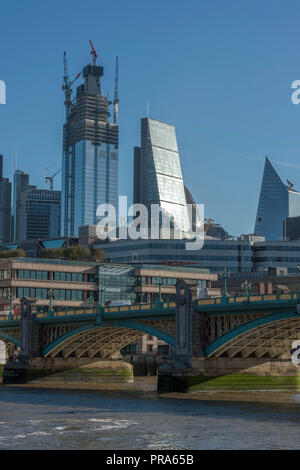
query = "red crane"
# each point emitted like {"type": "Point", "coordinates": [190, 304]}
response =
{"type": "Point", "coordinates": [94, 53]}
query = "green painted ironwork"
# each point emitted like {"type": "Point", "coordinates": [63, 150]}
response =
{"type": "Point", "coordinates": [123, 324]}
{"type": "Point", "coordinates": [246, 327]}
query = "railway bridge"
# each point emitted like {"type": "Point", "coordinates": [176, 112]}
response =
{"type": "Point", "coordinates": [211, 337]}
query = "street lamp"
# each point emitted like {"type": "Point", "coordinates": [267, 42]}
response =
{"type": "Point", "coordinates": [11, 299]}
{"type": "Point", "coordinates": [160, 281]}
{"type": "Point", "coordinates": [132, 297]}
{"type": "Point", "coordinates": [101, 289]}
{"type": "Point", "coordinates": [51, 298]}
{"type": "Point", "coordinates": [246, 286]}
{"type": "Point", "coordinates": [224, 275]}
{"type": "Point", "coordinates": [90, 299]}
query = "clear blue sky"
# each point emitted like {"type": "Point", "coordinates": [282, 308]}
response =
{"type": "Point", "coordinates": [220, 71]}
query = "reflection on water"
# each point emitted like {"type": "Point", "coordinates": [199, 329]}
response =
{"type": "Point", "coordinates": [74, 419]}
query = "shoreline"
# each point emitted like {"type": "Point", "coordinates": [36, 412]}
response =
{"type": "Point", "coordinates": [146, 387]}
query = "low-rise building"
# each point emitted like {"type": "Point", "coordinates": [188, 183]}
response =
{"type": "Point", "coordinates": [78, 283]}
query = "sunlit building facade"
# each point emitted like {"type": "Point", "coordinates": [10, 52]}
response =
{"type": "Point", "coordinates": [277, 201]}
{"type": "Point", "coordinates": [157, 172]}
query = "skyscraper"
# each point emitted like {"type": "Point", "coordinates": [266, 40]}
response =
{"type": "Point", "coordinates": [40, 211]}
{"type": "Point", "coordinates": [90, 152]}
{"type": "Point", "coordinates": [157, 172]}
{"type": "Point", "coordinates": [21, 184]}
{"type": "Point", "coordinates": [277, 201]}
{"type": "Point", "coordinates": [5, 206]}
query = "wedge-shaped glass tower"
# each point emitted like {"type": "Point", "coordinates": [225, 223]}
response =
{"type": "Point", "coordinates": [277, 201]}
{"type": "Point", "coordinates": [157, 172]}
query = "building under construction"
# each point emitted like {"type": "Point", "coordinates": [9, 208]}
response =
{"type": "Point", "coordinates": [90, 148]}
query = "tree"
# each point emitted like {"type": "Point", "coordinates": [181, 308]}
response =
{"type": "Point", "coordinates": [74, 253]}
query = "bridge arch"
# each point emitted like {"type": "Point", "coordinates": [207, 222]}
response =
{"type": "Point", "coordinates": [7, 338]}
{"type": "Point", "coordinates": [266, 336]}
{"type": "Point", "coordinates": [103, 340]}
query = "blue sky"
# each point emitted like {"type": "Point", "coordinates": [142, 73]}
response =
{"type": "Point", "coordinates": [220, 71]}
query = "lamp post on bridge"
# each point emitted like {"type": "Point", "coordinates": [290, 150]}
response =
{"type": "Point", "coordinates": [160, 281]}
{"type": "Point", "coordinates": [101, 289]}
{"type": "Point", "coordinates": [224, 275]}
{"type": "Point", "coordinates": [132, 297]}
{"type": "Point", "coordinates": [246, 286]}
{"type": "Point", "coordinates": [90, 299]}
{"type": "Point", "coordinates": [51, 298]}
{"type": "Point", "coordinates": [11, 298]}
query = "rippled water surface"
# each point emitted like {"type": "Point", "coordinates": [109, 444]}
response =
{"type": "Point", "coordinates": [82, 419]}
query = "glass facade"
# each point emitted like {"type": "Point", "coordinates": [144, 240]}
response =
{"type": "Point", "coordinates": [5, 210]}
{"type": "Point", "coordinates": [215, 255]}
{"type": "Point", "coordinates": [96, 180]}
{"type": "Point", "coordinates": [158, 176]}
{"type": "Point", "coordinates": [90, 155]}
{"type": "Point", "coordinates": [21, 184]}
{"type": "Point", "coordinates": [276, 202]}
{"type": "Point", "coordinates": [39, 213]}
{"type": "Point", "coordinates": [117, 283]}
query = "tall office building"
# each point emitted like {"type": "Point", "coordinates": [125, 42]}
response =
{"type": "Point", "coordinates": [5, 206]}
{"type": "Point", "coordinates": [40, 211]}
{"type": "Point", "coordinates": [277, 201]}
{"type": "Point", "coordinates": [21, 184]}
{"type": "Point", "coordinates": [90, 153]}
{"type": "Point", "coordinates": [157, 172]}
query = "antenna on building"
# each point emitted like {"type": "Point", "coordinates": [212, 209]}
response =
{"type": "Point", "coordinates": [148, 109]}
{"type": "Point", "coordinates": [15, 160]}
{"type": "Point", "coordinates": [116, 95]}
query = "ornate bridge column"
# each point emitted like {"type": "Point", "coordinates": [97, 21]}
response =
{"type": "Point", "coordinates": [190, 325]}
{"type": "Point", "coordinates": [184, 313]}
{"type": "Point", "coordinates": [190, 342]}
{"type": "Point", "coordinates": [17, 370]}
{"type": "Point", "coordinates": [30, 334]}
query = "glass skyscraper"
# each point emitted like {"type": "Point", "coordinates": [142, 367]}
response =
{"type": "Point", "coordinates": [21, 184]}
{"type": "Point", "coordinates": [90, 155]}
{"type": "Point", "coordinates": [39, 213]}
{"type": "Point", "coordinates": [277, 201]}
{"type": "Point", "coordinates": [5, 206]}
{"type": "Point", "coordinates": [157, 172]}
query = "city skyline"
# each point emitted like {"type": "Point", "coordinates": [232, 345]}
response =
{"type": "Point", "coordinates": [221, 118]}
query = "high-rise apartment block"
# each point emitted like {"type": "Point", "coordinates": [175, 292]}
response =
{"type": "Point", "coordinates": [90, 153]}
{"type": "Point", "coordinates": [277, 201]}
{"type": "Point", "coordinates": [5, 206]}
{"type": "Point", "coordinates": [157, 172]}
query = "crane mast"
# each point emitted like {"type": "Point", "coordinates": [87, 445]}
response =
{"type": "Point", "coordinates": [116, 94]}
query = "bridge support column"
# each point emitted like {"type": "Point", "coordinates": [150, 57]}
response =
{"type": "Point", "coordinates": [190, 341]}
{"type": "Point", "coordinates": [31, 345]}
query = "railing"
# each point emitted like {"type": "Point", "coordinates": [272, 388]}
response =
{"type": "Point", "coordinates": [159, 306]}
{"type": "Point", "coordinates": [240, 299]}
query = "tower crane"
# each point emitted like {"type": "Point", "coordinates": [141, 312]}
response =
{"type": "Point", "coordinates": [116, 95]}
{"type": "Point", "coordinates": [94, 53]}
{"type": "Point", "coordinates": [50, 178]}
{"type": "Point", "coordinates": [66, 87]}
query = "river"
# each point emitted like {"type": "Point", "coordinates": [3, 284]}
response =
{"type": "Point", "coordinates": [43, 418]}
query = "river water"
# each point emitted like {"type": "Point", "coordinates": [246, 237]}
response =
{"type": "Point", "coordinates": [40, 418]}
